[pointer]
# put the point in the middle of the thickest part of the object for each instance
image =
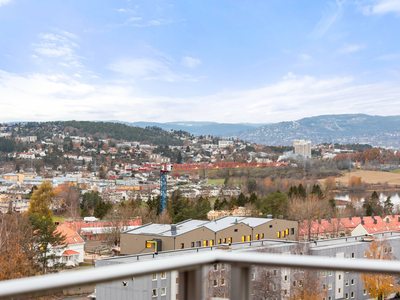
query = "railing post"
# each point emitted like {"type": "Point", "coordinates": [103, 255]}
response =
{"type": "Point", "coordinates": [240, 282]}
{"type": "Point", "coordinates": [190, 285]}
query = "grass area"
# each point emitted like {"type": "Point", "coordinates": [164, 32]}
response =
{"type": "Point", "coordinates": [395, 171]}
{"type": "Point", "coordinates": [58, 219]}
{"type": "Point", "coordinates": [216, 181]}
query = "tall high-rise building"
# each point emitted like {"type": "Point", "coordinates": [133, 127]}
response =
{"type": "Point", "coordinates": [302, 147]}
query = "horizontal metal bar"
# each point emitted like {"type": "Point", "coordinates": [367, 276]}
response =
{"type": "Point", "coordinates": [31, 285]}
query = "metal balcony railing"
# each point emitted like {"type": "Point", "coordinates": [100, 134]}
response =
{"type": "Point", "coordinates": [190, 272]}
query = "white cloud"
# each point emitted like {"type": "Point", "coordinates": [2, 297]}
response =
{"type": "Point", "coordinates": [328, 19]}
{"type": "Point", "coordinates": [134, 19]}
{"type": "Point", "coordinates": [305, 56]}
{"type": "Point", "coordinates": [347, 49]}
{"type": "Point", "coordinates": [59, 97]}
{"type": "Point", "coordinates": [289, 75]}
{"type": "Point", "coordinates": [124, 10]}
{"type": "Point", "coordinates": [58, 46]}
{"type": "Point", "coordinates": [190, 62]}
{"type": "Point", "coordinates": [381, 7]}
{"type": "Point", "coordinates": [148, 69]}
{"type": "Point", "coordinates": [392, 56]}
{"type": "Point", "coordinates": [3, 2]}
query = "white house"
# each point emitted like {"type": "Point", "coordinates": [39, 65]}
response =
{"type": "Point", "coordinates": [72, 255]}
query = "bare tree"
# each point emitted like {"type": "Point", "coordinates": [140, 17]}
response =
{"type": "Point", "coordinates": [72, 198]}
{"type": "Point", "coordinates": [217, 281]}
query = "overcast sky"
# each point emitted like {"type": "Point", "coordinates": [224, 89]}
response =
{"type": "Point", "coordinates": [206, 60]}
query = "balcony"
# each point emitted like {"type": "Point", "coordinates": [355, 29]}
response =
{"type": "Point", "coordinates": [190, 268]}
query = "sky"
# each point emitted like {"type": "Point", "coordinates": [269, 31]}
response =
{"type": "Point", "coordinates": [226, 61]}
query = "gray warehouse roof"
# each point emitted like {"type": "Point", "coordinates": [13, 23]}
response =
{"type": "Point", "coordinates": [189, 225]}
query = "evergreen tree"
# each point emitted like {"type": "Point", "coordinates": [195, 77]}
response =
{"type": "Point", "coordinates": [101, 209]}
{"type": "Point", "coordinates": [217, 204]}
{"type": "Point", "coordinates": [316, 190]}
{"type": "Point", "coordinates": [85, 212]}
{"type": "Point", "coordinates": [302, 191]}
{"type": "Point", "coordinates": [275, 204]}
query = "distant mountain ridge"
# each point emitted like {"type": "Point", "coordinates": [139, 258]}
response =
{"type": "Point", "coordinates": [382, 131]}
{"type": "Point", "coordinates": [198, 128]}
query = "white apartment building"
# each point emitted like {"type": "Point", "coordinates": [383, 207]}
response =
{"type": "Point", "coordinates": [302, 147]}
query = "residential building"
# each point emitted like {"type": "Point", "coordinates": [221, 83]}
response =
{"type": "Point", "coordinates": [302, 147]}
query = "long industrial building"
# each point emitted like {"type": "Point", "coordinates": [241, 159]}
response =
{"type": "Point", "coordinates": [152, 238]}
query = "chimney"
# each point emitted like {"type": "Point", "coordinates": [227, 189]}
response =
{"type": "Point", "coordinates": [329, 219]}
{"type": "Point", "coordinates": [269, 216]}
{"type": "Point", "coordinates": [398, 219]}
{"type": "Point", "coordinates": [280, 217]}
{"type": "Point", "coordinates": [361, 217]}
{"type": "Point", "coordinates": [350, 217]}
{"type": "Point", "coordinates": [319, 221]}
{"type": "Point", "coordinates": [393, 216]}
{"type": "Point", "coordinates": [362, 222]}
{"type": "Point", "coordinates": [388, 220]}
{"type": "Point", "coordinates": [373, 216]}
{"type": "Point", "coordinates": [375, 221]}
{"type": "Point", "coordinates": [173, 229]}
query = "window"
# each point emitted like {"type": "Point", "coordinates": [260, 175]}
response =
{"type": "Point", "coordinates": [391, 249]}
{"type": "Point", "coordinates": [330, 273]}
{"type": "Point", "coordinates": [215, 282]}
{"type": "Point", "coordinates": [163, 291]}
{"type": "Point", "coordinates": [353, 255]}
{"type": "Point", "coordinates": [222, 281]}
{"type": "Point", "coordinates": [352, 281]}
{"type": "Point", "coordinates": [154, 293]}
{"type": "Point", "coordinates": [274, 272]}
{"type": "Point", "coordinates": [230, 240]}
{"type": "Point", "coordinates": [278, 234]}
{"type": "Point", "coordinates": [324, 273]}
{"type": "Point", "coordinates": [198, 244]}
{"type": "Point", "coordinates": [211, 242]}
{"type": "Point", "coordinates": [294, 283]}
{"type": "Point", "coordinates": [243, 238]}
{"type": "Point", "coordinates": [223, 266]}
{"type": "Point", "coordinates": [324, 287]}
{"type": "Point", "coordinates": [155, 276]}
{"type": "Point", "coordinates": [192, 244]}
{"type": "Point", "coordinates": [253, 276]}
{"type": "Point", "coordinates": [352, 294]}
{"type": "Point", "coordinates": [182, 245]}
{"type": "Point", "coordinates": [346, 282]}
{"type": "Point", "coordinates": [339, 290]}
{"type": "Point", "coordinates": [262, 235]}
{"type": "Point", "coordinates": [257, 237]}
{"type": "Point", "coordinates": [215, 267]}
{"type": "Point", "coordinates": [283, 233]}
{"type": "Point", "coordinates": [224, 240]}
{"type": "Point", "coordinates": [274, 287]}
{"type": "Point", "coordinates": [270, 226]}
{"type": "Point", "coordinates": [205, 243]}
{"type": "Point", "coordinates": [177, 280]}
{"type": "Point", "coordinates": [340, 277]}
{"type": "Point", "coordinates": [235, 230]}
{"type": "Point", "coordinates": [163, 275]}
{"type": "Point", "coordinates": [292, 231]}
{"type": "Point", "coordinates": [365, 291]}
{"type": "Point", "coordinates": [287, 231]}
{"type": "Point", "coordinates": [329, 298]}
{"type": "Point", "coordinates": [219, 241]}
{"type": "Point", "coordinates": [329, 286]}
{"type": "Point", "coordinates": [285, 277]}
{"type": "Point", "coordinates": [347, 296]}
{"type": "Point", "coordinates": [300, 282]}
{"type": "Point", "coordinates": [249, 238]}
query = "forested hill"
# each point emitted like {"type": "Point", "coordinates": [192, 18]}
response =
{"type": "Point", "coordinates": [117, 131]}
{"type": "Point", "coordinates": [103, 130]}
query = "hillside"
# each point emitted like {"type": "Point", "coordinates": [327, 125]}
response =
{"type": "Point", "coordinates": [199, 128]}
{"type": "Point", "coordinates": [118, 131]}
{"type": "Point", "coordinates": [350, 128]}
